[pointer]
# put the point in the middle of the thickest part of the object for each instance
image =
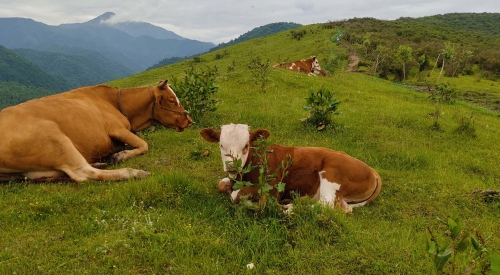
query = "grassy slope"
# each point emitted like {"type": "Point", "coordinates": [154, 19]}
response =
{"type": "Point", "coordinates": [174, 222]}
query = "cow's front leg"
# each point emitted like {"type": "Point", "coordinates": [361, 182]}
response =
{"type": "Point", "coordinates": [127, 137]}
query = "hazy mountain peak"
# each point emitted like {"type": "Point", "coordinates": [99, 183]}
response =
{"type": "Point", "coordinates": [101, 18]}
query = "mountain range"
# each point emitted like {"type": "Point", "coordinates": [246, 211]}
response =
{"type": "Point", "coordinates": [133, 45]}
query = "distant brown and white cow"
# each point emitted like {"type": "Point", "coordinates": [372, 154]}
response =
{"type": "Point", "coordinates": [331, 177]}
{"type": "Point", "coordinates": [57, 136]}
{"type": "Point", "coordinates": [309, 66]}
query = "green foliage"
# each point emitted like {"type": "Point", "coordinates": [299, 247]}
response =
{"type": "Point", "coordinates": [445, 93]}
{"type": "Point", "coordinates": [297, 34]}
{"type": "Point", "coordinates": [404, 53]}
{"type": "Point", "coordinates": [459, 242]}
{"type": "Point", "coordinates": [260, 72]}
{"type": "Point", "coordinates": [196, 89]}
{"type": "Point", "coordinates": [198, 59]}
{"type": "Point", "coordinates": [268, 180]}
{"type": "Point", "coordinates": [322, 105]}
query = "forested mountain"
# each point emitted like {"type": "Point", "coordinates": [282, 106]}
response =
{"type": "Point", "coordinates": [467, 43]}
{"type": "Point", "coordinates": [257, 32]}
{"type": "Point", "coordinates": [136, 52]}
{"type": "Point", "coordinates": [91, 69]}
{"type": "Point", "coordinates": [16, 69]}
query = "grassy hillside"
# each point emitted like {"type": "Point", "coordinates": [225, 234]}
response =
{"type": "Point", "coordinates": [174, 222]}
{"type": "Point", "coordinates": [255, 33]}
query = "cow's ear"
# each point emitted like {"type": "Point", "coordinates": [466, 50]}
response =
{"type": "Point", "coordinates": [258, 133]}
{"type": "Point", "coordinates": [162, 84]}
{"type": "Point", "coordinates": [210, 135]}
{"type": "Point", "coordinates": [313, 57]}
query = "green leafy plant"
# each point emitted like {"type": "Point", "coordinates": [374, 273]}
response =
{"type": "Point", "coordinates": [260, 72]}
{"type": "Point", "coordinates": [460, 241]}
{"type": "Point", "coordinates": [444, 92]}
{"type": "Point", "coordinates": [267, 180]}
{"type": "Point", "coordinates": [297, 34]}
{"type": "Point", "coordinates": [195, 90]}
{"type": "Point", "coordinates": [322, 105]}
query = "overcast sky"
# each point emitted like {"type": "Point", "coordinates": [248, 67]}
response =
{"type": "Point", "coordinates": [219, 21]}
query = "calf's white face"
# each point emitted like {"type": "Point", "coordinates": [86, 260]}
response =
{"type": "Point", "coordinates": [234, 141]}
{"type": "Point", "coordinates": [234, 144]}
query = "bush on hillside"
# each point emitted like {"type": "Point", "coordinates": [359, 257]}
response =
{"type": "Point", "coordinates": [195, 90]}
{"type": "Point", "coordinates": [322, 105]}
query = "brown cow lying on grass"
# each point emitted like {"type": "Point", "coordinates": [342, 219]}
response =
{"type": "Point", "coordinates": [330, 177]}
{"type": "Point", "coordinates": [309, 66]}
{"type": "Point", "coordinates": [57, 136]}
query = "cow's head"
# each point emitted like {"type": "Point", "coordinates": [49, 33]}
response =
{"type": "Point", "coordinates": [315, 67]}
{"type": "Point", "coordinates": [168, 109]}
{"type": "Point", "coordinates": [235, 141]}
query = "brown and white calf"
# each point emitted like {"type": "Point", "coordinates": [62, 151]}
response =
{"type": "Point", "coordinates": [309, 66]}
{"type": "Point", "coordinates": [331, 177]}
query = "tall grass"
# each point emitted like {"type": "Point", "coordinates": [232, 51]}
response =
{"type": "Point", "coordinates": [175, 222]}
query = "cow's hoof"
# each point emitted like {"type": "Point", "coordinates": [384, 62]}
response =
{"type": "Point", "coordinates": [225, 186]}
{"type": "Point", "coordinates": [117, 158]}
{"type": "Point", "coordinates": [139, 174]}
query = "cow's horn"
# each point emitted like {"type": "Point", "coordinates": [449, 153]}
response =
{"type": "Point", "coordinates": [162, 84]}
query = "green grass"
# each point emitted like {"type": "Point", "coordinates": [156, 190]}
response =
{"type": "Point", "coordinates": [175, 222]}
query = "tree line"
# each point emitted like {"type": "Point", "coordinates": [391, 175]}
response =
{"type": "Point", "coordinates": [394, 48]}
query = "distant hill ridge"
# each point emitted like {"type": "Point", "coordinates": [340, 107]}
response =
{"type": "Point", "coordinates": [254, 33]}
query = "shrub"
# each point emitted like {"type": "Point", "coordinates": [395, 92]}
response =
{"type": "Point", "coordinates": [322, 105]}
{"type": "Point", "coordinates": [444, 93]}
{"type": "Point", "coordinates": [297, 34]}
{"type": "Point", "coordinates": [444, 252]}
{"type": "Point", "coordinates": [195, 90]}
{"type": "Point", "coordinates": [260, 72]}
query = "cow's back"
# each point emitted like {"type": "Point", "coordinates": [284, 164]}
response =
{"type": "Point", "coordinates": [303, 176]}
{"type": "Point", "coordinates": [72, 113]}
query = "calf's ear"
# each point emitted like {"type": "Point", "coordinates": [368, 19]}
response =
{"type": "Point", "coordinates": [210, 135]}
{"type": "Point", "coordinates": [257, 133]}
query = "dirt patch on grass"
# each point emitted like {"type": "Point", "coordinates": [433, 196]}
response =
{"type": "Point", "coordinates": [486, 100]}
